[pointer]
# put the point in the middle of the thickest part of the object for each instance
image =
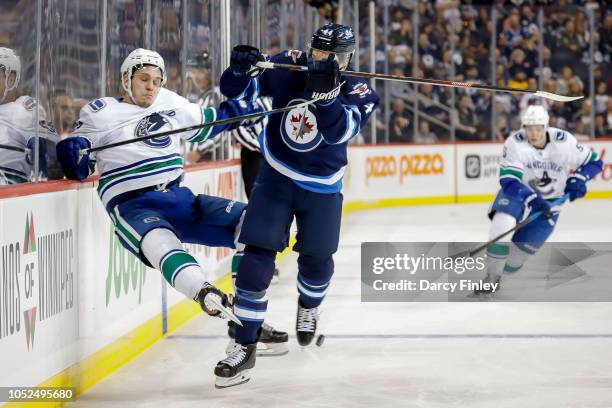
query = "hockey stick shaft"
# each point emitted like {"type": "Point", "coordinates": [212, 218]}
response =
{"type": "Point", "coordinates": [14, 148]}
{"type": "Point", "coordinates": [518, 226]}
{"type": "Point", "coordinates": [438, 82]}
{"type": "Point", "coordinates": [200, 126]}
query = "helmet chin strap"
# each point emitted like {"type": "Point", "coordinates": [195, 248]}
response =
{"type": "Point", "coordinates": [6, 87]}
{"type": "Point", "coordinates": [128, 88]}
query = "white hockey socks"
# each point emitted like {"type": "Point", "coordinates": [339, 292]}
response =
{"type": "Point", "coordinates": [497, 253]}
{"type": "Point", "coordinates": [165, 251]}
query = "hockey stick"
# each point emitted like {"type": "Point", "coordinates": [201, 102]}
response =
{"type": "Point", "coordinates": [200, 126]}
{"type": "Point", "coordinates": [519, 225]}
{"type": "Point", "coordinates": [16, 149]}
{"type": "Point", "coordinates": [438, 82]}
{"type": "Point", "coordinates": [225, 311]}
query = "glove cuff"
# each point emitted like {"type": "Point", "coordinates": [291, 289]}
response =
{"type": "Point", "coordinates": [579, 176]}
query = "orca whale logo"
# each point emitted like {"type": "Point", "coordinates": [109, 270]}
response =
{"type": "Point", "coordinates": [152, 124]}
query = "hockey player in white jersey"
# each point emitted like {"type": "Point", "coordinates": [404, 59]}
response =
{"type": "Point", "coordinates": [140, 182]}
{"type": "Point", "coordinates": [536, 169]}
{"type": "Point", "coordinates": [18, 125]}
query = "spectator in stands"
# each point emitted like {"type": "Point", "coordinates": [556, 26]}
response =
{"type": "Point", "coordinates": [568, 41]}
{"type": "Point", "coordinates": [198, 83]}
{"type": "Point", "coordinates": [465, 119]}
{"type": "Point", "coordinates": [605, 32]}
{"type": "Point", "coordinates": [449, 10]}
{"type": "Point", "coordinates": [400, 56]}
{"type": "Point", "coordinates": [601, 98]}
{"type": "Point", "coordinates": [519, 70]}
{"type": "Point", "coordinates": [483, 106]}
{"type": "Point", "coordinates": [511, 35]}
{"type": "Point", "coordinates": [502, 128]}
{"type": "Point", "coordinates": [173, 81]}
{"type": "Point", "coordinates": [546, 68]}
{"type": "Point", "coordinates": [403, 35]}
{"type": "Point", "coordinates": [63, 112]}
{"type": "Point", "coordinates": [601, 128]}
{"type": "Point", "coordinates": [563, 83]}
{"type": "Point", "coordinates": [581, 131]}
{"type": "Point", "coordinates": [425, 135]}
{"type": "Point", "coordinates": [583, 116]}
{"type": "Point", "coordinates": [400, 122]}
{"type": "Point", "coordinates": [559, 114]}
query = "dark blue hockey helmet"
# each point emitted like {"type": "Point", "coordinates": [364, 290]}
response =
{"type": "Point", "coordinates": [337, 39]}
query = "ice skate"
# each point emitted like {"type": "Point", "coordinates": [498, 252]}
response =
{"type": "Point", "coordinates": [271, 342]}
{"type": "Point", "coordinates": [306, 324]}
{"type": "Point", "coordinates": [234, 369]}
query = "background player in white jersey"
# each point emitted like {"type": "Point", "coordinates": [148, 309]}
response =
{"type": "Point", "coordinates": [140, 182]}
{"type": "Point", "coordinates": [535, 170]}
{"type": "Point", "coordinates": [18, 125]}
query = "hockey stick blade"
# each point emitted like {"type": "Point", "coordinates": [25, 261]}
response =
{"type": "Point", "coordinates": [558, 98]}
{"type": "Point", "coordinates": [219, 122]}
{"type": "Point", "coordinates": [225, 311]}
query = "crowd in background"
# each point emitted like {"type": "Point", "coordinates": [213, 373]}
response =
{"type": "Point", "coordinates": [454, 42]}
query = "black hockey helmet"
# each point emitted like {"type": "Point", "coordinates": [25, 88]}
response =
{"type": "Point", "coordinates": [337, 39]}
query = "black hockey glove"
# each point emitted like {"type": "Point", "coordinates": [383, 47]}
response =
{"type": "Point", "coordinates": [243, 60]}
{"type": "Point", "coordinates": [322, 76]}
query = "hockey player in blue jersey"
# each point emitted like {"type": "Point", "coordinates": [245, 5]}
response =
{"type": "Point", "coordinates": [305, 153]}
{"type": "Point", "coordinates": [140, 182]}
{"type": "Point", "coordinates": [534, 171]}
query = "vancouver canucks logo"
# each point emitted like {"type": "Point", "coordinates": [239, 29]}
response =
{"type": "Point", "coordinates": [149, 125]}
{"type": "Point", "coordinates": [544, 185]}
{"type": "Point", "coordinates": [299, 128]}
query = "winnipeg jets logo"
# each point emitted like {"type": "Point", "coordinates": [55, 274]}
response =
{"type": "Point", "coordinates": [360, 89]}
{"type": "Point", "coordinates": [346, 34]}
{"type": "Point", "coordinates": [294, 54]}
{"type": "Point", "coordinates": [299, 128]}
{"type": "Point", "coordinates": [327, 32]}
{"type": "Point", "coordinates": [150, 125]}
{"type": "Point", "coordinates": [301, 125]}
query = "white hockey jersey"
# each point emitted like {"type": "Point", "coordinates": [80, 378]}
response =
{"type": "Point", "coordinates": [17, 127]}
{"type": "Point", "coordinates": [544, 170]}
{"type": "Point", "coordinates": [138, 165]}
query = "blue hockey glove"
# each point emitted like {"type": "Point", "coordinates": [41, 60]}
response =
{"type": "Point", "coordinates": [536, 203]}
{"type": "Point", "coordinates": [575, 186]}
{"type": "Point", "coordinates": [243, 60]}
{"type": "Point", "coordinates": [322, 76]}
{"type": "Point", "coordinates": [75, 167]}
{"type": "Point", "coordinates": [42, 153]}
{"type": "Point", "coordinates": [235, 108]}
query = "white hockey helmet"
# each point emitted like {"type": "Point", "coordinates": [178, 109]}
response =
{"type": "Point", "coordinates": [9, 63]}
{"type": "Point", "coordinates": [535, 115]}
{"type": "Point", "coordinates": [136, 60]}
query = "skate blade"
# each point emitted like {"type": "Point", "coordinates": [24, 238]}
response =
{"type": "Point", "coordinates": [241, 378]}
{"type": "Point", "coordinates": [224, 310]}
{"type": "Point", "coordinates": [271, 349]}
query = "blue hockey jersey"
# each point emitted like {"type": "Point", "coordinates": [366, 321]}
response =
{"type": "Point", "coordinates": [306, 144]}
